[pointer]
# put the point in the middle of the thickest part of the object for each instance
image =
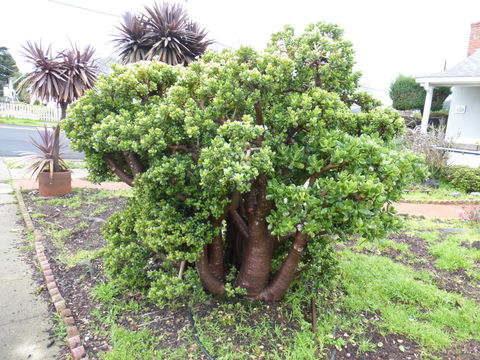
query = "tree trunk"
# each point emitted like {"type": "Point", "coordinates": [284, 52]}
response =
{"type": "Point", "coordinates": [216, 255]}
{"type": "Point", "coordinates": [63, 108]}
{"type": "Point", "coordinates": [56, 149]}
{"type": "Point", "coordinates": [209, 281]}
{"type": "Point", "coordinates": [285, 275]}
{"type": "Point", "coordinates": [258, 250]}
{"type": "Point", "coordinates": [56, 139]}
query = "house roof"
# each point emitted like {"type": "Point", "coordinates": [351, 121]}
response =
{"type": "Point", "coordinates": [466, 72]}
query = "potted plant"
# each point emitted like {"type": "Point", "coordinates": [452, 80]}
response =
{"type": "Point", "coordinates": [53, 175]}
{"type": "Point", "coordinates": [61, 78]}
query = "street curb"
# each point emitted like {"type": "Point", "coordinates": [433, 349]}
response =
{"type": "Point", "coordinates": [73, 336]}
{"type": "Point", "coordinates": [441, 202]}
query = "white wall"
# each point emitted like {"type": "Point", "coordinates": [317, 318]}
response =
{"type": "Point", "coordinates": [464, 128]}
{"type": "Point", "coordinates": [464, 159]}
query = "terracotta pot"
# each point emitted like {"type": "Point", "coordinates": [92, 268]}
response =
{"type": "Point", "coordinates": [60, 184]}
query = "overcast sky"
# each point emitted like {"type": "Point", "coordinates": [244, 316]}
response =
{"type": "Point", "coordinates": [411, 37]}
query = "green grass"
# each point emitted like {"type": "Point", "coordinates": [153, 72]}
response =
{"type": "Point", "coordinates": [136, 345]}
{"type": "Point", "coordinates": [432, 317]}
{"type": "Point", "coordinates": [27, 122]}
{"type": "Point", "coordinates": [29, 247]}
{"type": "Point", "coordinates": [444, 192]}
{"type": "Point", "coordinates": [60, 329]}
{"type": "Point", "coordinates": [58, 236]}
{"type": "Point", "coordinates": [71, 260]}
{"type": "Point", "coordinates": [452, 255]}
{"type": "Point", "coordinates": [76, 164]}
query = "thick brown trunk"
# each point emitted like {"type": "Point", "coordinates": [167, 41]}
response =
{"type": "Point", "coordinates": [234, 244]}
{"type": "Point", "coordinates": [285, 275]}
{"type": "Point", "coordinates": [118, 171]}
{"type": "Point", "coordinates": [63, 110]}
{"type": "Point", "coordinates": [258, 252]}
{"type": "Point", "coordinates": [216, 256]}
{"type": "Point", "coordinates": [209, 281]}
{"type": "Point", "coordinates": [257, 259]}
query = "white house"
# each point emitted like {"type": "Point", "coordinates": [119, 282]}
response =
{"type": "Point", "coordinates": [463, 125]}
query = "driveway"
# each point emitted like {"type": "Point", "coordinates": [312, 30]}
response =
{"type": "Point", "coordinates": [15, 139]}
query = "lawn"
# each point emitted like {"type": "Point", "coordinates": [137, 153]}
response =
{"type": "Point", "coordinates": [415, 294]}
{"type": "Point", "coordinates": [443, 193]}
{"type": "Point", "coordinates": [27, 122]}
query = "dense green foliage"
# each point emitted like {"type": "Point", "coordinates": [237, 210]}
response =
{"type": "Point", "coordinates": [8, 67]}
{"type": "Point", "coordinates": [244, 163]}
{"type": "Point", "coordinates": [462, 177]}
{"type": "Point", "coordinates": [406, 94]}
{"type": "Point", "coordinates": [440, 93]}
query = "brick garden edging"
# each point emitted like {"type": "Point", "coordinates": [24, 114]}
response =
{"type": "Point", "coordinates": [441, 202]}
{"type": "Point", "coordinates": [73, 336]}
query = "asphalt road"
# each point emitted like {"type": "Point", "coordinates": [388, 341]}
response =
{"type": "Point", "coordinates": [14, 140]}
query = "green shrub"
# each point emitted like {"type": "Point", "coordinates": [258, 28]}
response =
{"type": "Point", "coordinates": [238, 161]}
{"type": "Point", "coordinates": [462, 177]}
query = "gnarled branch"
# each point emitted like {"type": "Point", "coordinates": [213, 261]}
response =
{"type": "Point", "coordinates": [133, 162]}
{"type": "Point", "coordinates": [323, 170]}
{"type": "Point", "coordinates": [209, 281]}
{"type": "Point", "coordinates": [118, 171]}
{"type": "Point", "coordinates": [285, 275]}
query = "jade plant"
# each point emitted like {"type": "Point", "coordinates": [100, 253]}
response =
{"type": "Point", "coordinates": [246, 165]}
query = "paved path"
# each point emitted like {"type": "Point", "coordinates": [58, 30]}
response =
{"type": "Point", "coordinates": [31, 184]}
{"type": "Point", "coordinates": [24, 316]}
{"type": "Point", "coordinates": [433, 210]}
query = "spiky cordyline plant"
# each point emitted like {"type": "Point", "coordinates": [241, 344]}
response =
{"type": "Point", "coordinates": [44, 161]}
{"type": "Point", "coordinates": [163, 33]}
{"type": "Point", "coordinates": [63, 78]}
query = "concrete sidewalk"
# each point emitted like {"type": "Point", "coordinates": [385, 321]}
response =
{"type": "Point", "coordinates": [24, 316]}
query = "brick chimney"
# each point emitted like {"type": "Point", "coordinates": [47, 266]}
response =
{"type": "Point", "coordinates": [474, 43]}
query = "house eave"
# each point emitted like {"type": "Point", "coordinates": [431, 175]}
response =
{"type": "Point", "coordinates": [449, 81]}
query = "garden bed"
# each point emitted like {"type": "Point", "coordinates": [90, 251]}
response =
{"type": "Point", "coordinates": [411, 296]}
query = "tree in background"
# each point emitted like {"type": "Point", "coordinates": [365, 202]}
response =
{"type": "Point", "coordinates": [407, 94]}
{"type": "Point", "coordinates": [164, 33]}
{"type": "Point", "coordinates": [440, 93]}
{"type": "Point", "coordinates": [8, 67]}
{"type": "Point", "coordinates": [62, 78]}
{"type": "Point", "coordinates": [246, 165]}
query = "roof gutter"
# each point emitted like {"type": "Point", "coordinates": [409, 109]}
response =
{"type": "Point", "coordinates": [449, 81]}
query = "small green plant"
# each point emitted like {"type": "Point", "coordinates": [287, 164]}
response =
{"type": "Point", "coordinates": [59, 235]}
{"type": "Point", "coordinates": [131, 345]}
{"type": "Point", "coordinates": [27, 248]}
{"type": "Point", "coordinates": [105, 292]}
{"type": "Point", "coordinates": [71, 260]}
{"type": "Point", "coordinates": [462, 177]}
{"type": "Point", "coordinates": [60, 329]}
{"type": "Point", "coordinates": [38, 215]}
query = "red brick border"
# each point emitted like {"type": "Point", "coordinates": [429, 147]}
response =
{"type": "Point", "coordinates": [73, 336]}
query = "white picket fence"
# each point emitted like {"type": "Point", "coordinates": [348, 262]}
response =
{"type": "Point", "coordinates": [27, 111]}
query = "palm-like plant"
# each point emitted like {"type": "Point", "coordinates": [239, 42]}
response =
{"type": "Point", "coordinates": [44, 161]}
{"type": "Point", "coordinates": [163, 33]}
{"type": "Point", "coordinates": [63, 78]}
